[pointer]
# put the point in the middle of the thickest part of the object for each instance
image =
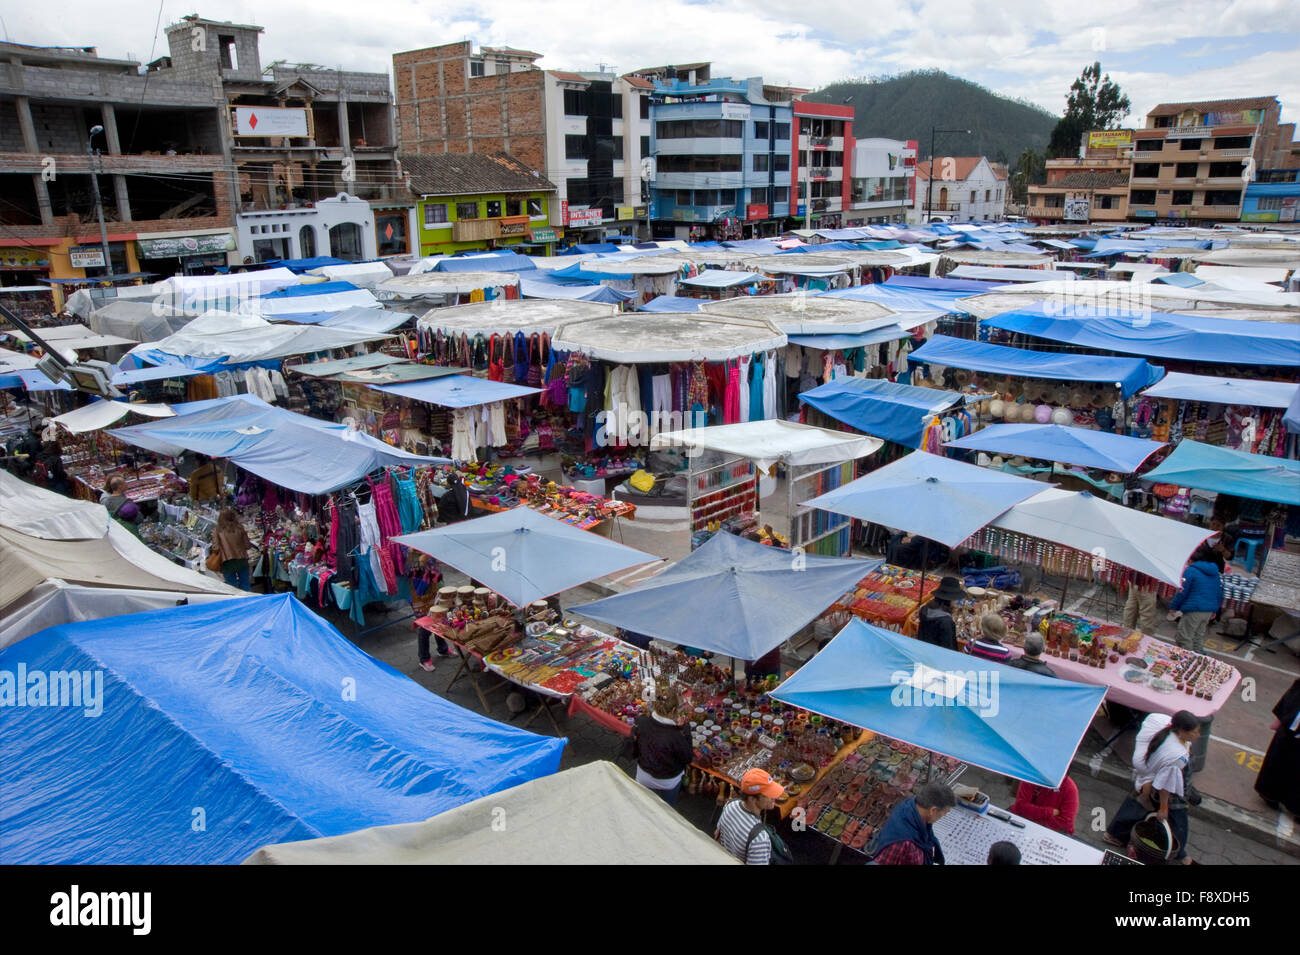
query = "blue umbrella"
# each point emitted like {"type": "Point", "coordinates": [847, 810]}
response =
{"type": "Point", "coordinates": [524, 556]}
{"type": "Point", "coordinates": [1054, 442]}
{"type": "Point", "coordinates": [1211, 468]}
{"type": "Point", "coordinates": [1007, 720]}
{"type": "Point", "coordinates": [938, 498]}
{"type": "Point", "coordinates": [733, 596]}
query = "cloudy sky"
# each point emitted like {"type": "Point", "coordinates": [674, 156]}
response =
{"type": "Point", "coordinates": [1157, 50]}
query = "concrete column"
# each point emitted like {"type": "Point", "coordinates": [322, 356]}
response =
{"type": "Point", "coordinates": [43, 199]}
{"type": "Point", "coordinates": [24, 107]}
{"type": "Point", "coordinates": [123, 200]}
{"type": "Point", "coordinates": [109, 118]}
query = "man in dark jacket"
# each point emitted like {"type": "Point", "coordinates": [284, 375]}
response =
{"type": "Point", "coordinates": [661, 748]}
{"type": "Point", "coordinates": [935, 623]}
{"type": "Point", "coordinates": [1033, 658]}
{"type": "Point", "coordinates": [907, 837]}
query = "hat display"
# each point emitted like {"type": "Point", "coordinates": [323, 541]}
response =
{"type": "Point", "coordinates": [949, 589]}
{"type": "Point", "coordinates": [1043, 414]}
{"type": "Point", "coordinates": [1063, 416]}
{"type": "Point", "coordinates": [996, 408]}
{"type": "Point", "coordinates": [759, 782]}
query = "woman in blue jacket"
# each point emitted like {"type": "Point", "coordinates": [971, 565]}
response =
{"type": "Point", "coordinates": [1198, 601]}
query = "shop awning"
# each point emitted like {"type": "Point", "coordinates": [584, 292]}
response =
{"type": "Point", "coordinates": [459, 390]}
{"type": "Point", "coordinates": [889, 333]}
{"type": "Point", "coordinates": [721, 278]}
{"type": "Point", "coordinates": [152, 373]}
{"type": "Point", "coordinates": [1129, 374]}
{"type": "Point", "coordinates": [100, 414]}
{"type": "Point", "coordinates": [525, 556]}
{"type": "Point", "coordinates": [589, 815]}
{"type": "Point", "coordinates": [235, 339]}
{"type": "Point", "coordinates": [732, 596]}
{"type": "Point", "coordinates": [540, 284]}
{"type": "Point", "coordinates": [1010, 721]}
{"type": "Point", "coordinates": [671, 303]}
{"type": "Point", "coordinates": [1209, 468]}
{"type": "Point", "coordinates": [772, 442]}
{"type": "Point", "coordinates": [882, 408]}
{"type": "Point", "coordinates": [930, 495]}
{"type": "Point", "coordinates": [993, 273]}
{"type": "Point", "coordinates": [496, 262]}
{"type": "Point", "coordinates": [183, 245]}
{"type": "Point", "coordinates": [1159, 335]}
{"type": "Point", "coordinates": [323, 369]}
{"type": "Point", "coordinates": [401, 373]}
{"type": "Point", "coordinates": [1226, 391]}
{"type": "Point", "coordinates": [632, 338]}
{"type": "Point", "coordinates": [237, 705]}
{"type": "Point", "coordinates": [1054, 442]}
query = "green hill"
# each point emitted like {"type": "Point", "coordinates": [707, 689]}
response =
{"type": "Point", "coordinates": [906, 106]}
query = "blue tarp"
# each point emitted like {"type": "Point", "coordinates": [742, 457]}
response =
{"type": "Point", "coordinates": [722, 278]}
{"type": "Point", "coordinates": [1054, 442]}
{"type": "Point", "coordinates": [255, 713]}
{"type": "Point", "coordinates": [755, 246]}
{"type": "Point", "coordinates": [311, 288]}
{"type": "Point", "coordinates": [524, 556]}
{"type": "Point", "coordinates": [1225, 391]}
{"type": "Point", "coordinates": [732, 596]}
{"type": "Point", "coordinates": [305, 265]}
{"type": "Point", "coordinates": [885, 409]}
{"type": "Point", "coordinates": [944, 301]}
{"type": "Point", "coordinates": [1209, 468]}
{"type": "Point", "coordinates": [889, 333]}
{"type": "Point", "coordinates": [1180, 279]}
{"type": "Point", "coordinates": [287, 449]}
{"type": "Point", "coordinates": [1131, 374]}
{"type": "Point", "coordinates": [542, 284]}
{"type": "Point", "coordinates": [1010, 721]}
{"type": "Point", "coordinates": [1223, 341]}
{"type": "Point", "coordinates": [584, 248]}
{"type": "Point", "coordinates": [928, 494]}
{"type": "Point", "coordinates": [575, 273]}
{"type": "Point", "coordinates": [672, 303]}
{"type": "Point", "coordinates": [152, 373]}
{"type": "Point", "coordinates": [459, 391]}
{"type": "Point", "coordinates": [498, 262]}
{"type": "Point", "coordinates": [966, 286]}
{"type": "Point", "coordinates": [1292, 417]}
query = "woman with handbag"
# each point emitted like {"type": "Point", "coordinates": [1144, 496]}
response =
{"type": "Point", "coordinates": [1160, 758]}
{"type": "Point", "coordinates": [230, 545]}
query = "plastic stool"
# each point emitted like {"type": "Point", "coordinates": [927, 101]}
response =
{"type": "Point", "coordinates": [1251, 544]}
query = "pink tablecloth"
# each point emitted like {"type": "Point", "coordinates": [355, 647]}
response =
{"type": "Point", "coordinates": [1136, 695]}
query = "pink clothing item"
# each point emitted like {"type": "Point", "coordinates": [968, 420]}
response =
{"type": "Point", "coordinates": [731, 408]}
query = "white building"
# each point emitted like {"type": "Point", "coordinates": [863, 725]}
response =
{"type": "Point", "coordinates": [965, 188]}
{"type": "Point", "coordinates": [884, 182]}
{"type": "Point", "coordinates": [343, 227]}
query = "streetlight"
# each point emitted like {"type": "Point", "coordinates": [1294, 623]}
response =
{"type": "Point", "coordinates": [929, 186]}
{"type": "Point", "coordinates": [99, 203]}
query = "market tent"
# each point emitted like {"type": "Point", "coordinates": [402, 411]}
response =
{"type": "Point", "coordinates": [442, 285]}
{"type": "Point", "coordinates": [926, 494]}
{"type": "Point", "coordinates": [1226, 391]}
{"type": "Point", "coordinates": [589, 815]}
{"type": "Point", "coordinates": [1262, 275]}
{"type": "Point", "coordinates": [1130, 375]}
{"type": "Point", "coordinates": [721, 278]}
{"type": "Point", "coordinates": [507, 316]}
{"type": "Point", "coordinates": [1068, 445]}
{"type": "Point", "coordinates": [102, 413]}
{"type": "Point", "coordinates": [993, 273]}
{"type": "Point", "coordinates": [215, 336]}
{"type": "Point", "coordinates": [771, 442]}
{"type": "Point", "coordinates": [44, 535]}
{"type": "Point", "coordinates": [886, 409]}
{"type": "Point", "coordinates": [311, 263]}
{"type": "Point", "coordinates": [324, 369]}
{"type": "Point", "coordinates": [812, 266]}
{"type": "Point", "coordinates": [360, 274]}
{"type": "Point", "coordinates": [496, 262]}
{"type": "Point", "coordinates": [545, 286]}
{"type": "Point", "coordinates": [732, 596]}
{"type": "Point", "coordinates": [132, 376]}
{"type": "Point", "coordinates": [807, 314]}
{"type": "Point", "coordinates": [396, 374]}
{"type": "Point", "coordinates": [459, 391]}
{"type": "Point", "coordinates": [1023, 725]}
{"type": "Point", "coordinates": [287, 449]}
{"type": "Point", "coordinates": [12, 363]}
{"type": "Point", "coordinates": [254, 709]}
{"type": "Point", "coordinates": [371, 321]}
{"type": "Point", "coordinates": [306, 299]}
{"type": "Point", "coordinates": [901, 298]}
{"type": "Point", "coordinates": [1210, 468]}
{"type": "Point", "coordinates": [138, 321]}
{"type": "Point", "coordinates": [836, 342]}
{"type": "Point", "coordinates": [671, 303]}
{"type": "Point", "coordinates": [1186, 337]}
{"type": "Point", "coordinates": [633, 338]}
{"type": "Point", "coordinates": [524, 556]}
{"type": "Point", "coordinates": [1151, 545]}
{"type": "Point", "coordinates": [197, 293]}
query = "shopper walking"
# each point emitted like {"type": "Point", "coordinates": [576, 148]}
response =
{"type": "Point", "coordinates": [1278, 783]}
{"type": "Point", "coordinates": [907, 837]}
{"type": "Point", "coordinates": [661, 747]}
{"type": "Point", "coordinates": [1199, 599]}
{"type": "Point", "coordinates": [1160, 758]}
{"type": "Point", "coordinates": [741, 830]}
{"type": "Point", "coordinates": [231, 541]}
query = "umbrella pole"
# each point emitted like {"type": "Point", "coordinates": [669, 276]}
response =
{"type": "Point", "coordinates": [1064, 587]}
{"type": "Point", "coordinates": [929, 765]}
{"type": "Point", "coordinates": [925, 556]}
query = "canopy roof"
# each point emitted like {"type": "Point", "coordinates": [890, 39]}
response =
{"type": "Point", "coordinates": [138, 321]}
{"type": "Point", "coordinates": [991, 257]}
{"type": "Point", "coordinates": [507, 316]}
{"type": "Point", "coordinates": [886, 409]}
{"type": "Point", "coordinates": [323, 369]}
{"type": "Point", "coordinates": [1210, 468]}
{"type": "Point", "coordinates": [245, 338]}
{"type": "Point", "coordinates": [525, 556]}
{"type": "Point", "coordinates": [721, 278]}
{"type": "Point", "coordinates": [731, 583]}
{"type": "Point", "coordinates": [1185, 337]}
{"type": "Point", "coordinates": [237, 705]}
{"type": "Point", "coordinates": [589, 815]}
{"type": "Point", "coordinates": [400, 373]}
{"type": "Point", "coordinates": [773, 441]}
{"type": "Point", "coordinates": [631, 338]}
{"type": "Point", "coordinates": [361, 274]}
{"type": "Point", "coordinates": [321, 297]}
{"type": "Point", "coordinates": [671, 303]}
{"type": "Point", "coordinates": [799, 264]}
{"type": "Point", "coordinates": [541, 285]}
{"type": "Point", "coordinates": [1111, 297]}
{"type": "Point", "coordinates": [1069, 445]}
{"type": "Point", "coordinates": [132, 376]}
{"type": "Point", "coordinates": [101, 413]}
{"type": "Point", "coordinates": [1226, 391]}
{"type": "Point", "coordinates": [458, 391]}
{"type": "Point", "coordinates": [926, 494]}
{"type": "Point", "coordinates": [1002, 274]}
{"type": "Point", "coordinates": [807, 314]}
{"type": "Point", "coordinates": [1130, 375]}
{"type": "Point", "coordinates": [501, 261]}
{"type": "Point", "coordinates": [422, 284]}
{"type": "Point", "coordinates": [1007, 720]}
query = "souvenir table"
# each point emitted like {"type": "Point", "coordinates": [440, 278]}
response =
{"type": "Point", "coordinates": [966, 837]}
{"type": "Point", "coordinates": [854, 798]}
{"type": "Point", "coordinates": [734, 727]}
{"type": "Point", "coordinates": [455, 636]}
{"type": "Point", "coordinates": [887, 597]}
{"type": "Point", "coordinates": [142, 484]}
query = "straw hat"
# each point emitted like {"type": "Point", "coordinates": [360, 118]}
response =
{"type": "Point", "coordinates": [1063, 416]}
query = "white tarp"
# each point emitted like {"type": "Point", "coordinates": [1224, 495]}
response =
{"type": "Point", "coordinates": [100, 414]}
{"type": "Point", "coordinates": [1151, 545]}
{"type": "Point", "coordinates": [507, 316]}
{"type": "Point", "coordinates": [773, 441]}
{"type": "Point", "coordinates": [362, 274]}
{"type": "Point", "coordinates": [138, 321]}
{"type": "Point", "coordinates": [639, 337]}
{"type": "Point", "coordinates": [241, 338]}
{"type": "Point", "coordinates": [588, 815]}
{"type": "Point", "coordinates": [325, 302]}
{"type": "Point", "coordinates": [1261, 275]}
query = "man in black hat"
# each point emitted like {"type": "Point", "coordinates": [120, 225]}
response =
{"type": "Point", "coordinates": [936, 624]}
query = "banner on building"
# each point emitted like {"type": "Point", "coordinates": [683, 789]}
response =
{"type": "Point", "coordinates": [1110, 138]}
{"type": "Point", "coordinates": [625, 213]}
{"type": "Point", "coordinates": [24, 258]}
{"type": "Point", "coordinates": [580, 218]}
{"type": "Point", "coordinates": [272, 121]}
{"type": "Point", "coordinates": [513, 225]}
{"type": "Point", "coordinates": [735, 110]}
{"type": "Point", "coordinates": [182, 245]}
{"type": "Point", "coordinates": [1076, 210]}
{"type": "Point", "coordinates": [543, 235]}
{"type": "Point", "coordinates": [756, 210]}
{"type": "Point", "coordinates": [86, 257]}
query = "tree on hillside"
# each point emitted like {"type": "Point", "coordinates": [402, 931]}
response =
{"type": "Point", "coordinates": [1094, 102]}
{"type": "Point", "coordinates": [1030, 171]}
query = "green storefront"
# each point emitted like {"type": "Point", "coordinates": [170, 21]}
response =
{"type": "Point", "coordinates": [516, 221]}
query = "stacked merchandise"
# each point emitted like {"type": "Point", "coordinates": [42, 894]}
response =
{"type": "Point", "coordinates": [888, 597]}
{"type": "Point", "coordinates": [147, 483]}
{"type": "Point", "coordinates": [556, 660]}
{"type": "Point", "coordinates": [496, 487]}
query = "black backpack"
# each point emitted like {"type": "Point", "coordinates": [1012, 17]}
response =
{"type": "Point", "coordinates": [780, 854]}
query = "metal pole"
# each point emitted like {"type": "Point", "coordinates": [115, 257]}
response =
{"type": "Point", "coordinates": [92, 153]}
{"type": "Point", "coordinates": [929, 183]}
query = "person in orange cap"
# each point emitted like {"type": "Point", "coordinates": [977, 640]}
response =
{"type": "Point", "coordinates": [740, 828]}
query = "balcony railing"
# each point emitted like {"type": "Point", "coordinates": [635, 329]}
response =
{"type": "Point", "coordinates": [820, 142]}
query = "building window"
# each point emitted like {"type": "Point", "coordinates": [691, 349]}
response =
{"type": "Point", "coordinates": [645, 107]}
{"type": "Point", "coordinates": [494, 209]}
{"type": "Point", "coordinates": [345, 241]}
{"type": "Point", "coordinates": [1146, 170]}
{"type": "Point", "coordinates": [782, 130]}
{"type": "Point", "coordinates": [760, 162]}
{"type": "Point", "coordinates": [987, 195]}
{"type": "Point", "coordinates": [307, 242]}
{"type": "Point", "coordinates": [1181, 197]}
{"type": "Point", "coordinates": [683, 197]}
{"type": "Point", "coordinates": [972, 195]}
{"type": "Point", "coordinates": [575, 103]}
{"type": "Point", "coordinates": [1232, 142]}
{"type": "Point", "coordinates": [1149, 145]}
{"type": "Point", "coordinates": [1189, 145]}
{"type": "Point", "coordinates": [1143, 197]}
{"type": "Point", "coordinates": [1229, 169]}
{"type": "Point", "coordinates": [575, 147]}
{"type": "Point", "coordinates": [535, 207]}
{"type": "Point", "coordinates": [674, 163]}
{"type": "Point", "coordinates": [467, 210]}
{"type": "Point", "coordinates": [645, 146]}
{"type": "Point", "coordinates": [1185, 170]}
{"type": "Point", "coordinates": [727, 197]}
{"type": "Point", "coordinates": [434, 213]}
{"type": "Point", "coordinates": [781, 194]}
{"type": "Point", "coordinates": [514, 207]}
{"type": "Point", "coordinates": [229, 54]}
{"type": "Point", "coordinates": [1223, 197]}
{"type": "Point", "coordinates": [618, 148]}
{"type": "Point", "coordinates": [781, 162]}
{"type": "Point", "coordinates": [476, 68]}
{"type": "Point", "coordinates": [1268, 203]}
{"type": "Point", "coordinates": [700, 128]}
{"type": "Point", "coordinates": [615, 106]}
{"type": "Point", "coordinates": [760, 130]}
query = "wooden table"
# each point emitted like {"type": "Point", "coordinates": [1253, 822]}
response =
{"type": "Point", "coordinates": [1279, 588]}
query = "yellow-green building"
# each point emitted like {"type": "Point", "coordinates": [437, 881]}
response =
{"type": "Point", "coordinates": [476, 202]}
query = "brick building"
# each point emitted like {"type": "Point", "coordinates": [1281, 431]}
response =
{"type": "Point", "coordinates": [1092, 187]}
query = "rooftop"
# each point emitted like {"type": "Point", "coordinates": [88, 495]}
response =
{"type": "Point", "coordinates": [1091, 180]}
{"type": "Point", "coordinates": [964, 166]}
{"type": "Point", "coordinates": [458, 174]}
{"type": "Point", "coordinates": [1215, 106]}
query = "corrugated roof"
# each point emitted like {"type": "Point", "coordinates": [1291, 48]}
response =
{"type": "Point", "coordinates": [1090, 180]}
{"type": "Point", "coordinates": [569, 77]}
{"type": "Point", "coordinates": [456, 174]}
{"type": "Point", "coordinates": [1215, 105]}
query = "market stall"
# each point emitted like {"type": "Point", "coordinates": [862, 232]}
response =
{"type": "Point", "coordinates": [896, 412]}
{"type": "Point", "coordinates": [1237, 413]}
